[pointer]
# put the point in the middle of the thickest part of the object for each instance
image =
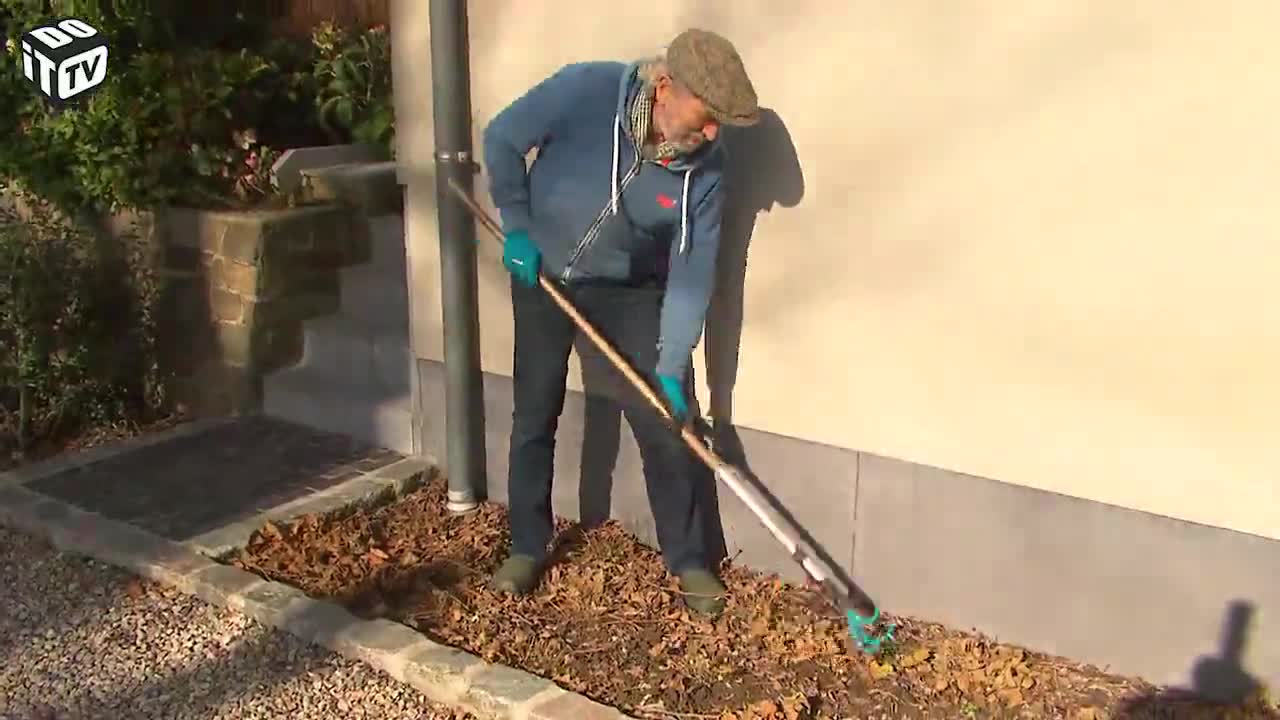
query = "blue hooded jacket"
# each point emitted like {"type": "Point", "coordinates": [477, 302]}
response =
{"type": "Point", "coordinates": [595, 211]}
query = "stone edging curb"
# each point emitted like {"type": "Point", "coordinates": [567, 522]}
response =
{"type": "Point", "coordinates": [442, 673]}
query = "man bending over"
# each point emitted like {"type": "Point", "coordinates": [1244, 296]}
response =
{"type": "Point", "coordinates": [622, 208]}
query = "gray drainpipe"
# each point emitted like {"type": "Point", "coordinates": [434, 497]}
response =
{"type": "Point", "coordinates": [464, 385]}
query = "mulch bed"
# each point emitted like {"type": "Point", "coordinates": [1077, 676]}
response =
{"type": "Point", "coordinates": [607, 622]}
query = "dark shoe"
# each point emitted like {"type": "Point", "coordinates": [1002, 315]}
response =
{"type": "Point", "coordinates": [703, 592]}
{"type": "Point", "coordinates": [518, 575]}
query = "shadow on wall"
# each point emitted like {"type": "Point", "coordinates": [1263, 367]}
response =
{"type": "Point", "coordinates": [763, 171]}
{"type": "Point", "coordinates": [1219, 683]}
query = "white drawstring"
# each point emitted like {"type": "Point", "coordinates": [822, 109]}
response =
{"type": "Point", "coordinates": [613, 180]}
{"type": "Point", "coordinates": [684, 211]}
{"type": "Point", "coordinates": [613, 186]}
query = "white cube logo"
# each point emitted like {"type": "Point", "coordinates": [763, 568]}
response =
{"type": "Point", "coordinates": [64, 60]}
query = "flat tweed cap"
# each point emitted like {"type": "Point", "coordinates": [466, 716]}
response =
{"type": "Point", "coordinates": [711, 68]}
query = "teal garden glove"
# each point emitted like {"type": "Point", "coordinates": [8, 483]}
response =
{"type": "Point", "coordinates": [673, 389]}
{"type": "Point", "coordinates": [521, 257]}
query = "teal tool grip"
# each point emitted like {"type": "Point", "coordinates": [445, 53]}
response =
{"type": "Point", "coordinates": [867, 641]}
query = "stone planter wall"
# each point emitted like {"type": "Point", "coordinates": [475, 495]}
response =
{"type": "Point", "coordinates": [235, 287]}
{"type": "Point", "coordinates": [235, 290]}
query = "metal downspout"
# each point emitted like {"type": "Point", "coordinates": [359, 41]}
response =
{"type": "Point", "coordinates": [464, 384]}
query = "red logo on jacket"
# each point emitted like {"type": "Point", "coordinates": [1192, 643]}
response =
{"type": "Point", "coordinates": [665, 201]}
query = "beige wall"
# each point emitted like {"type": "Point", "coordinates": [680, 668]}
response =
{"type": "Point", "coordinates": [1036, 241]}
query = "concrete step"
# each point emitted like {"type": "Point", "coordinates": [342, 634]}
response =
{"type": "Point", "coordinates": [376, 295]}
{"type": "Point", "coordinates": [355, 373]}
{"type": "Point", "coordinates": [386, 238]}
{"type": "Point", "coordinates": [378, 291]}
{"type": "Point", "coordinates": [303, 395]}
{"type": "Point", "coordinates": [370, 354]}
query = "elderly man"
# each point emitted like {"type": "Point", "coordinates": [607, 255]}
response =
{"type": "Point", "coordinates": [636, 253]}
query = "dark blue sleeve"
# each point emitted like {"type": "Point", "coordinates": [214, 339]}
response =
{"type": "Point", "coordinates": [526, 123]}
{"type": "Point", "coordinates": [690, 282]}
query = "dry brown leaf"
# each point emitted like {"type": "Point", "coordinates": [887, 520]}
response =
{"type": "Point", "coordinates": [915, 658]}
{"type": "Point", "coordinates": [880, 671]}
{"type": "Point", "coordinates": [794, 707]}
{"type": "Point", "coordinates": [805, 648]}
{"type": "Point", "coordinates": [1010, 697]}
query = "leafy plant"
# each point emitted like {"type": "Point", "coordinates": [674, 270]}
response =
{"type": "Point", "coordinates": [353, 79]}
{"type": "Point", "coordinates": [134, 25]}
{"type": "Point", "coordinates": [161, 130]}
{"type": "Point", "coordinates": [246, 165]}
{"type": "Point", "coordinates": [163, 127]}
{"type": "Point", "coordinates": [75, 320]}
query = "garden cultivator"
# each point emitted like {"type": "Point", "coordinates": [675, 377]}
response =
{"type": "Point", "coordinates": [862, 615]}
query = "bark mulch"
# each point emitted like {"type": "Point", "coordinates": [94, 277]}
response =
{"type": "Point", "coordinates": [607, 622]}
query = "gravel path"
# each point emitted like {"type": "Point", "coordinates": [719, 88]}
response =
{"type": "Point", "coordinates": [79, 639]}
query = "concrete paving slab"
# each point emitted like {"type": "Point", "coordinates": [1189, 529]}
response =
{"type": "Point", "coordinates": [184, 486]}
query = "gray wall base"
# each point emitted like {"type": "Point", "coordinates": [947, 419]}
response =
{"type": "Point", "coordinates": [1132, 592]}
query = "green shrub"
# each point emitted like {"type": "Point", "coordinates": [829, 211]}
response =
{"type": "Point", "coordinates": [155, 25]}
{"type": "Point", "coordinates": [353, 78]}
{"type": "Point", "coordinates": [185, 115]}
{"type": "Point", "coordinates": [162, 129]}
{"type": "Point", "coordinates": [76, 325]}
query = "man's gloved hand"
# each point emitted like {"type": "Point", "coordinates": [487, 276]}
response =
{"type": "Point", "coordinates": [673, 389]}
{"type": "Point", "coordinates": [521, 257]}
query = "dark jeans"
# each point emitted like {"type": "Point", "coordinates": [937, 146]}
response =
{"type": "Point", "coordinates": [544, 336]}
